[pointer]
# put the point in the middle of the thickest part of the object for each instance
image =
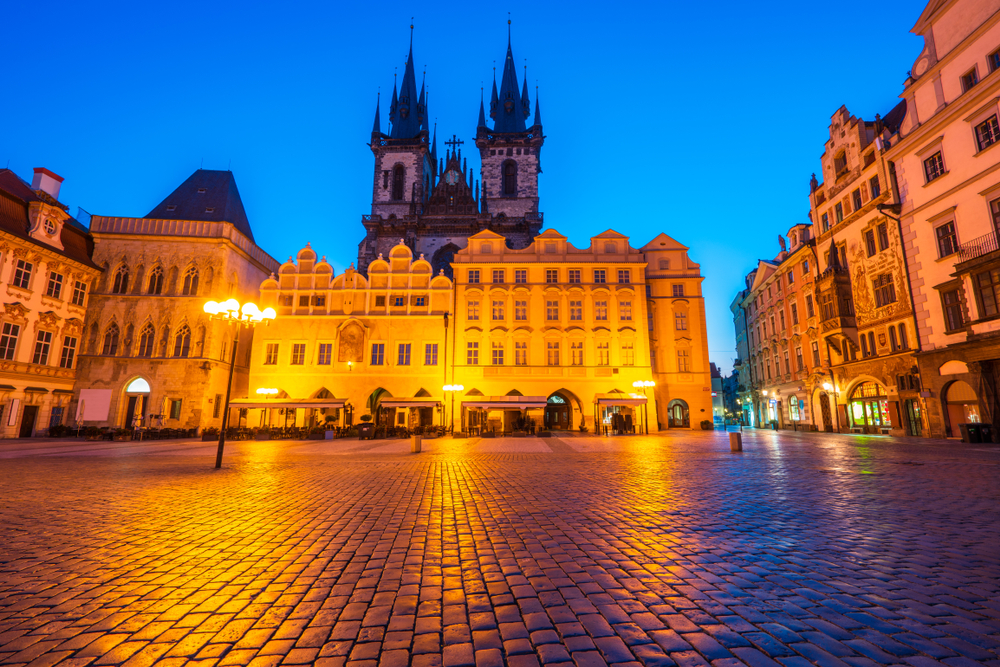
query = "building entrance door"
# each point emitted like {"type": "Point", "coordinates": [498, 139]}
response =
{"type": "Point", "coordinates": [28, 418]}
{"type": "Point", "coordinates": [824, 404]}
{"type": "Point", "coordinates": [915, 426]}
{"type": "Point", "coordinates": [131, 419]}
{"type": "Point", "coordinates": [556, 416]}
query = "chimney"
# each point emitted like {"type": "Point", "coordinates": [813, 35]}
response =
{"type": "Point", "coordinates": [47, 182]}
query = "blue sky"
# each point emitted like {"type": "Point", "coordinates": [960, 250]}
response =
{"type": "Point", "coordinates": [701, 120]}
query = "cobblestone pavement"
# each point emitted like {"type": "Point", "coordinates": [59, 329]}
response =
{"type": "Point", "coordinates": [803, 550]}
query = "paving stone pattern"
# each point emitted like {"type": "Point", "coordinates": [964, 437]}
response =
{"type": "Point", "coordinates": [803, 550]}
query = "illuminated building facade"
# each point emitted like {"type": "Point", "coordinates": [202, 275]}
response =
{"type": "Point", "coordinates": [46, 273]}
{"type": "Point", "coordinates": [150, 356]}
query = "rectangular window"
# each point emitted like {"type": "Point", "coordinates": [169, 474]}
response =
{"type": "Point", "coordinates": [472, 354]}
{"type": "Point", "coordinates": [947, 242]}
{"type": "Point", "coordinates": [933, 167]}
{"type": "Point", "coordinates": [874, 186]}
{"type": "Point", "coordinates": [431, 354]}
{"type": "Point", "coordinates": [625, 311]}
{"type": "Point", "coordinates": [799, 364]}
{"type": "Point", "coordinates": [551, 275]}
{"type": "Point", "coordinates": [175, 409]}
{"type": "Point", "coordinates": [303, 301]}
{"type": "Point", "coordinates": [838, 212]}
{"type": "Point", "coordinates": [576, 353]}
{"type": "Point", "coordinates": [805, 268]}
{"type": "Point", "coordinates": [379, 301]}
{"type": "Point", "coordinates": [603, 354]}
{"type": "Point", "coordinates": [521, 353]}
{"type": "Point", "coordinates": [68, 352]}
{"type": "Point", "coordinates": [54, 288]}
{"type": "Point", "coordinates": [473, 310]}
{"type": "Point", "coordinates": [791, 277]}
{"type": "Point", "coordinates": [954, 317]}
{"type": "Point", "coordinates": [399, 300]}
{"type": "Point", "coordinates": [498, 354]}
{"type": "Point", "coordinates": [987, 132]}
{"type": "Point", "coordinates": [815, 350]}
{"type": "Point", "coordinates": [403, 354]}
{"type": "Point", "coordinates": [43, 341]}
{"type": "Point", "coordinates": [864, 346]}
{"type": "Point", "coordinates": [22, 274]}
{"type": "Point", "coordinates": [498, 276]}
{"type": "Point", "coordinates": [576, 311]}
{"type": "Point", "coordinates": [795, 313]}
{"type": "Point", "coordinates": [788, 367]}
{"type": "Point", "coordinates": [217, 406]}
{"type": "Point", "coordinates": [684, 362]}
{"type": "Point", "coordinates": [994, 60]}
{"type": "Point", "coordinates": [624, 276]}
{"type": "Point", "coordinates": [319, 300]}
{"type": "Point", "coordinates": [601, 311]}
{"type": "Point", "coordinates": [498, 310]}
{"type": "Point", "coordinates": [325, 357]}
{"type": "Point", "coordinates": [79, 293]}
{"type": "Point", "coordinates": [870, 242]}
{"type": "Point", "coordinates": [628, 354]}
{"type": "Point", "coordinates": [781, 314]}
{"type": "Point", "coordinates": [520, 311]}
{"type": "Point", "coordinates": [553, 353]}
{"type": "Point", "coordinates": [885, 290]}
{"type": "Point", "coordinates": [378, 354]}
{"type": "Point", "coordinates": [271, 354]}
{"type": "Point", "coordinates": [680, 321]}
{"type": "Point", "coordinates": [678, 290]}
{"type": "Point", "coordinates": [600, 276]}
{"type": "Point", "coordinates": [893, 341]}
{"type": "Point", "coordinates": [298, 354]}
{"type": "Point", "coordinates": [574, 276]}
{"type": "Point", "coordinates": [826, 222]}
{"type": "Point", "coordinates": [810, 310]}
{"type": "Point", "coordinates": [856, 199]}
{"type": "Point", "coordinates": [520, 275]}
{"type": "Point", "coordinates": [420, 301]}
{"type": "Point", "coordinates": [969, 79]}
{"type": "Point", "coordinates": [882, 231]}
{"type": "Point", "coordinates": [552, 311]}
{"type": "Point", "coordinates": [473, 276]}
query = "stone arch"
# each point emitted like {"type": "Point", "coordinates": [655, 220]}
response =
{"type": "Point", "coordinates": [959, 405]}
{"type": "Point", "coordinates": [374, 404]}
{"type": "Point", "coordinates": [442, 258]}
{"type": "Point", "coordinates": [678, 414]}
{"type": "Point", "coordinates": [422, 393]}
{"type": "Point", "coordinates": [559, 410]}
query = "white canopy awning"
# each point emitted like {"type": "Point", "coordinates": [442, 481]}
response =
{"type": "Point", "coordinates": [287, 403]}
{"type": "Point", "coordinates": [619, 399]}
{"type": "Point", "coordinates": [504, 402]}
{"type": "Point", "coordinates": [418, 402]}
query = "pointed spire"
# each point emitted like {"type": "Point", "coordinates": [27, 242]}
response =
{"type": "Point", "coordinates": [494, 100]}
{"type": "Point", "coordinates": [510, 112]}
{"type": "Point", "coordinates": [525, 103]}
{"type": "Point", "coordinates": [434, 144]}
{"type": "Point", "coordinates": [834, 262]}
{"type": "Point", "coordinates": [394, 103]}
{"type": "Point", "coordinates": [422, 102]}
{"type": "Point", "coordinates": [408, 121]}
{"type": "Point", "coordinates": [377, 127]}
{"type": "Point", "coordinates": [482, 111]}
{"type": "Point", "coordinates": [538, 111]}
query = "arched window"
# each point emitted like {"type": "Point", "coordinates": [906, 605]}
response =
{"type": "Point", "coordinates": [509, 178]}
{"type": "Point", "coordinates": [121, 280]}
{"type": "Point", "coordinates": [182, 344]}
{"type": "Point", "coordinates": [155, 285]}
{"type": "Point", "coordinates": [398, 177]}
{"type": "Point", "coordinates": [147, 339]}
{"type": "Point", "coordinates": [191, 282]}
{"type": "Point", "coordinates": [903, 343]}
{"type": "Point", "coordinates": [111, 341]}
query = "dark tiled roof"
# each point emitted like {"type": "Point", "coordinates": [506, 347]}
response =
{"type": "Point", "coordinates": [15, 195]}
{"type": "Point", "coordinates": [894, 118]}
{"type": "Point", "coordinates": [208, 196]}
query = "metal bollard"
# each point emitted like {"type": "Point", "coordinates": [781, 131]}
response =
{"type": "Point", "coordinates": [415, 442]}
{"type": "Point", "coordinates": [735, 442]}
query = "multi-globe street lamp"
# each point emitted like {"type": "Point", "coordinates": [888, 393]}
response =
{"type": "Point", "coordinates": [246, 316]}
{"type": "Point", "coordinates": [453, 389]}
{"type": "Point", "coordinates": [642, 384]}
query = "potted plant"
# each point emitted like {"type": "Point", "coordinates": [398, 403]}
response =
{"type": "Point", "coordinates": [366, 430]}
{"type": "Point", "coordinates": [209, 434]}
{"type": "Point", "coordinates": [316, 433]}
{"type": "Point", "coordinates": [121, 435]}
{"type": "Point", "coordinates": [707, 425]}
{"type": "Point", "coordinates": [262, 434]}
{"type": "Point", "coordinates": [92, 433]}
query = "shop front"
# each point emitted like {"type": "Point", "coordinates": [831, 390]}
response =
{"type": "Point", "coordinates": [868, 409]}
{"type": "Point", "coordinates": [284, 412]}
{"type": "Point", "coordinates": [503, 414]}
{"type": "Point", "coordinates": [414, 413]}
{"type": "Point", "coordinates": [619, 413]}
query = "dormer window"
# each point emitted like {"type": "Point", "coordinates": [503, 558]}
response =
{"type": "Point", "coordinates": [202, 191]}
{"type": "Point", "coordinates": [172, 207]}
{"type": "Point", "coordinates": [49, 226]}
{"type": "Point", "coordinates": [209, 210]}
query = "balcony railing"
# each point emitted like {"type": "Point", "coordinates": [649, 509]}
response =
{"type": "Point", "coordinates": [983, 245]}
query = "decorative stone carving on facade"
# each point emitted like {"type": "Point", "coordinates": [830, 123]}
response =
{"type": "Point", "coordinates": [15, 311]}
{"type": "Point", "coordinates": [352, 343]}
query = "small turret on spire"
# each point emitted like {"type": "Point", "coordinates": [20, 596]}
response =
{"type": "Point", "coordinates": [394, 102]}
{"type": "Point", "coordinates": [377, 126]}
{"type": "Point", "coordinates": [525, 103]}
{"type": "Point", "coordinates": [494, 100]}
{"type": "Point", "coordinates": [538, 111]}
{"type": "Point", "coordinates": [482, 110]}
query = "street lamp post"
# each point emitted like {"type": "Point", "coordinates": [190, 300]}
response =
{"type": "Point", "coordinates": [453, 389]}
{"type": "Point", "coordinates": [642, 384]}
{"type": "Point", "coordinates": [247, 316]}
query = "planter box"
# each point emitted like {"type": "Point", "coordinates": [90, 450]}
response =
{"type": "Point", "coordinates": [519, 434]}
{"type": "Point", "coordinates": [316, 436]}
{"type": "Point", "coordinates": [366, 431]}
{"type": "Point", "coordinates": [208, 437]}
{"type": "Point", "coordinates": [262, 436]}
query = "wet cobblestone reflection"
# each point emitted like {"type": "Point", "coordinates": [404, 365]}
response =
{"type": "Point", "coordinates": [803, 550]}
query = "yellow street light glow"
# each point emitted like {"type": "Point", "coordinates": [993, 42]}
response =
{"type": "Point", "coordinates": [267, 391]}
{"type": "Point", "coordinates": [764, 392]}
{"type": "Point", "coordinates": [827, 386]}
{"type": "Point", "coordinates": [212, 308]}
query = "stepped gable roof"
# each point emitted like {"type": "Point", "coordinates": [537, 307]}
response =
{"type": "Point", "coordinates": [206, 196]}
{"type": "Point", "coordinates": [16, 195]}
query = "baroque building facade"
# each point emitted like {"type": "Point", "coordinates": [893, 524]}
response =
{"type": "Point", "coordinates": [46, 275]}
{"type": "Point", "coordinates": [150, 355]}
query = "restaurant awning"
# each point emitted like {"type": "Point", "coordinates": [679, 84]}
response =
{"type": "Point", "coordinates": [504, 402]}
{"type": "Point", "coordinates": [619, 399]}
{"type": "Point", "coordinates": [287, 403]}
{"type": "Point", "coordinates": [418, 402]}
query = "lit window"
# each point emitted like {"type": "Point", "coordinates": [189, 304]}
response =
{"type": "Point", "coordinates": [576, 354]}
{"type": "Point", "coordinates": [521, 311]}
{"type": "Point", "coordinates": [271, 354]}
{"type": "Point", "coordinates": [680, 321]}
{"type": "Point", "coordinates": [553, 353]}
{"type": "Point", "coordinates": [521, 353]}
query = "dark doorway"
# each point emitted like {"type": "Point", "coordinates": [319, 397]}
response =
{"type": "Point", "coordinates": [557, 413]}
{"type": "Point", "coordinates": [28, 418]}
{"type": "Point", "coordinates": [824, 404]}
{"type": "Point", "coordinates": [915, 425]}
{"type": "Point", "coordinates": [678, 415]}
{"type": "Point", "coordinates": [129, 419]}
